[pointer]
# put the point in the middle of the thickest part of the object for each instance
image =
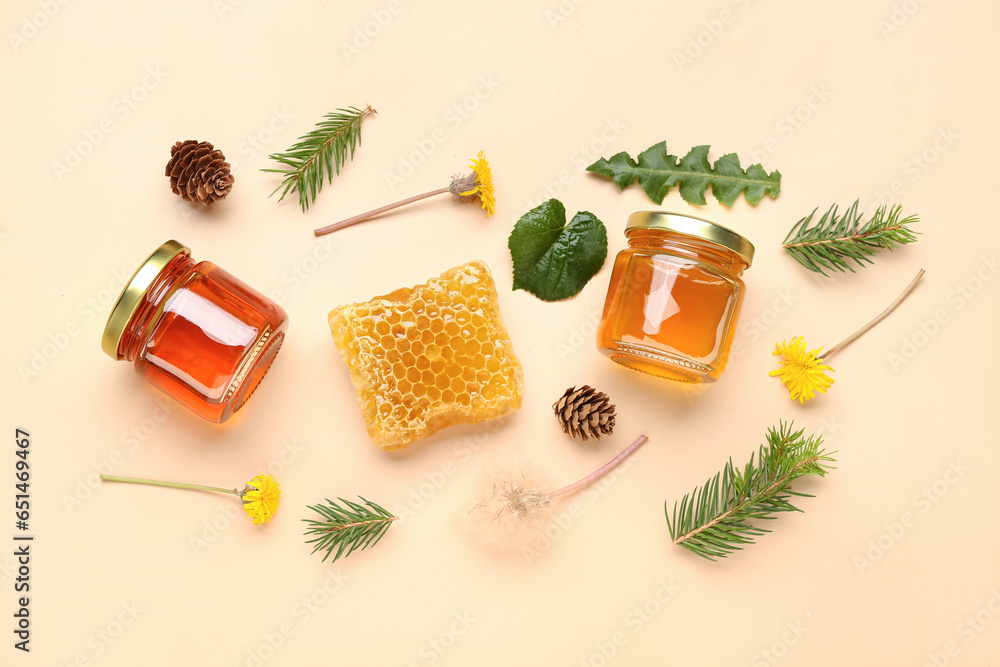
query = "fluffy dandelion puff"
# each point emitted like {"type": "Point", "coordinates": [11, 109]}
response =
{"type": "Point", "coordinates": [513, 503]}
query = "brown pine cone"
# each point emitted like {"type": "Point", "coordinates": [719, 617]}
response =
{"type": "Point", "coordinates": [198, 172]}
{"type": "Point", "coordinates": [585, 411]}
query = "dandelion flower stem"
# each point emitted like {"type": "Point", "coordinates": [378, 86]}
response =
{"type": "Point", "coordinates": [603, 470]}
{"type": "Point", "coordinates": [885, 313]}
{"type": "Point", "coordinates": [176, 485]}
{"type": "Point", "coordinates": [377, 211]}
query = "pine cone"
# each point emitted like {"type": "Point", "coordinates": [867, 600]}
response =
{"type": "Point", "coordinates": [198, 172]}
{"type": "Point", "coordinates": [585, 410]}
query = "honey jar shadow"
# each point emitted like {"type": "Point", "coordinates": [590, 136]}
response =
{"type": "Point", "coordinates": [646, 387]}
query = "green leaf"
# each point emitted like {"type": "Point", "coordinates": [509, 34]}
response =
{"type": "Point", "coordinates": [657, 171]}
{"type": "Point", "coordinates": [554, 260]}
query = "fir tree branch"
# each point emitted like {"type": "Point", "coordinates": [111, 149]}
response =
{"type": "Point", "coordinates": [348, 527]}
{"type": "Point", "coordinates": [320, 154]}
{"type": "Point", "coordinates": [714, 519]}
{"type": "Point", "coordinates": [833, 242]}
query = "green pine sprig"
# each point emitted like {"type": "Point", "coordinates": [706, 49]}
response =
{"type": "Point", "coordinates": [714, 520]}
{"type": "Point", "coordinates": [320, 154]}
{"type": "Point", "coordinates": [833, 242]}
{"type": "Point", "coordinates": [344, 528]}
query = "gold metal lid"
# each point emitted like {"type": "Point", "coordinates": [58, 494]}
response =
{"type": "Point", "coordinates": [686, 224]}
{"type": "Point", "coordinates": [131, 297]}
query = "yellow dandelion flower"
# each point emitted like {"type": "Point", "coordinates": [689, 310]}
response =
{"type": "Point", "coordinates": [260, 498]}
{"type": "Point", "coordinates": [802, 372]}
{"type": "Point", "coordinates": [477, 185]}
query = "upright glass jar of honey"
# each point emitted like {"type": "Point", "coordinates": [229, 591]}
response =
{"type": "Point", "coordinates": [195, 331]}
{"type": "Point", "coordinates": [675, 297]}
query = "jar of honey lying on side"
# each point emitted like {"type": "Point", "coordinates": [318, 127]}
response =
{"type": "Point", "coordinates": [675, 297]}
{"type": "Point", "coordinates": [195, 331]}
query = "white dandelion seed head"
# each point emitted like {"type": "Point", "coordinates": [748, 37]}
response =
{"type": "Point", "coordinates": [513, 503]}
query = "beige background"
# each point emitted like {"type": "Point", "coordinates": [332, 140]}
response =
{"type": "Point", "coordinates": [891, 563]}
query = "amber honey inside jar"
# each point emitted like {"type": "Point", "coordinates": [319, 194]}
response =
{"type": "Point", "coordinates": [195, 331]}
{"type": "Point", "coordinates": [675, 297]}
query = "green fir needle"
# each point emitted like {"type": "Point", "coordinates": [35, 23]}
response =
{"type": "Point", "coordinates": [719, 517]}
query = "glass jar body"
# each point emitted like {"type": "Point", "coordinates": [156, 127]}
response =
{"type": "Point", "coordinates": [202, 336]}
{"type": "Point", "coordinates": [672, 306]}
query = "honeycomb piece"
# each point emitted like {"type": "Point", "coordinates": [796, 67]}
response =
{"type": "Point", "coordinates": [430, 356]}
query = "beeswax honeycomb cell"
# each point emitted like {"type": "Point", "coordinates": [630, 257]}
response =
{"type": "Point", "coordinates": [430, 356]}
